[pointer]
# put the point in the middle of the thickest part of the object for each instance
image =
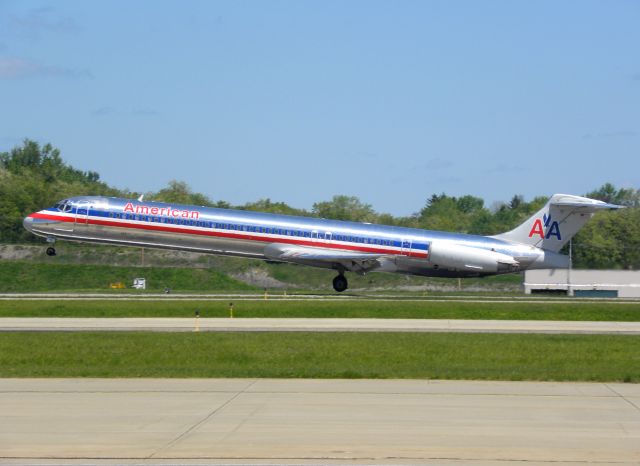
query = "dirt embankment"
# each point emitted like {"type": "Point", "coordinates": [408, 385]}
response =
{"type": "Point", "coordinates": [19, 252]}
{"type": "Point", "coordinates": [259, 277]}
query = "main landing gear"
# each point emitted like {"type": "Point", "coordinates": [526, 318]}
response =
{"type": "Point", "coordinates": [340, 283]}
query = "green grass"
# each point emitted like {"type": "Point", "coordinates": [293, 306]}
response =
{"type": "Point", "coordinates": [18, 277]}
{"type": "Point", "coordinates": [94, 267]}
{"type": "Point", "coordinates": [322, 355]}
{"type": "Point", "coordinates": [589, 311]}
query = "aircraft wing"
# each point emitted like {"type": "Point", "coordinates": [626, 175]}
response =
{"type": "Point", "coordinates": [359, 262]}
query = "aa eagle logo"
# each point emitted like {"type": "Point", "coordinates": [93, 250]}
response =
{"type": "Point", "coordinates": [552, 228]}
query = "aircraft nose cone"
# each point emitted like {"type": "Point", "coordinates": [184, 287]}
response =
{"type": "Point", "coordinates": [28, 223]}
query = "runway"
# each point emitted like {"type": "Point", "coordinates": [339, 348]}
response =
{"type": "Point", "coordinates": [172, 324]}
{"type": "Point", "coordinates": [266, 421]}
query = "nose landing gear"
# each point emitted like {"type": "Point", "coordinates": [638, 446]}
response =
{"type": "Point", "coordinates": [51, 251]}
{"type": "Point", "coordinates": [340, 283]}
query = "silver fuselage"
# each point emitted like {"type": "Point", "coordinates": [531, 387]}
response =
{"type": "Point", "coordinates": [137, 223]}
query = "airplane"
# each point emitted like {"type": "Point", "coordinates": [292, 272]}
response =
{"type": "Point", "coordinates": [332, 244]}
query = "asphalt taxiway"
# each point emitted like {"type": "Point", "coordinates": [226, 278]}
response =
{"type": "Point", "coordinates": [173, 324]}
{"type": "Point", "coordinates": [266, 421]}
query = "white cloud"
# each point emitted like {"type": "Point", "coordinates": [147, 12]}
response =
{"type": "Point", "coordinates": [103, 111]}
{"type": "Point", "coordinates": [18, 68]}
{"type": "Point", "coordinates": [39, 21]}
{"type": "Point", "coordinates": [434, 164]}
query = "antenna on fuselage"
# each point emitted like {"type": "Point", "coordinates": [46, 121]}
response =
{"type": "Point", "coordinates": [141, 197]}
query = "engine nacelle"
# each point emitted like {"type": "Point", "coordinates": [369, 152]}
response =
{"type": "Point", "coordinates": [451, 256]}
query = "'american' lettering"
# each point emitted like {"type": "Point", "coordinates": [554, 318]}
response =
{"type": "Point", "coordinates": [162, 211]}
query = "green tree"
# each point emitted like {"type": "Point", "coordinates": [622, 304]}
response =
{"type": "Point", "coordinates": [610, 240]}
{"type": "Point", "coordinates": [624, 196]}
{"type": "Point", "coordinates": [509, 216]}
{"type": "Point", "coordinates": [469, 204]}
{"type": "Point", "coordinates": [266, 205]}
{"type": "Point", "coordinates": [33, 177]}
{"type": "Point", "coordinates": [179, 192]}
{"type": "Point", "coordinates": [448, 213]}
{"type": "Point", "coordinates": [345, 208]}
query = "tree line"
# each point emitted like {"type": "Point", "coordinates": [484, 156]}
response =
{"type": "Point", "coordinates": [33, 176]}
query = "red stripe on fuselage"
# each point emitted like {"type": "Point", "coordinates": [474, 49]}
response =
{"type": "Point", "coordinates": [171, 229]}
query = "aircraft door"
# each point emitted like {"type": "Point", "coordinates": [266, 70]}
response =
{"type": "Point", "coordinates": [82, 213]}
{"type": "Point", "coordinates": [405, 248]}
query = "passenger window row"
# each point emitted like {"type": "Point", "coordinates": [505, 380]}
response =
{"type": "Point", "coordinates": [252, 229]}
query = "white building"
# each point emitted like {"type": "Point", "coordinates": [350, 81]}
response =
{"type": "Point", "coordinates": [594, 283]}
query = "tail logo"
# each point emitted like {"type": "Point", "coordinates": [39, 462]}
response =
{"type": "Point", "coordinates": [552, 227]}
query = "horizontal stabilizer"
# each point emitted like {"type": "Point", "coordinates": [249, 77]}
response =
{"type": "Point", "coordinates": [592, 205]}
{"type": "Point", "coordinates": [557, 222]}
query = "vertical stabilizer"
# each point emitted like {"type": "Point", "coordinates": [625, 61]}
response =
{"type": "Point", "coordinates": [555, 224]}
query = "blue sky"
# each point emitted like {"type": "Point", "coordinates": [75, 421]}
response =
{"type": "Point", "coordinates": [298, 101]}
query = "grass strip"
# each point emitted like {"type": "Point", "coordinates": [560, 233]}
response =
{"type": "Point", "coordinates": [571, 311]}
{"type": "Point", "coordinates": [322, 355]}
{"type": "Point", "coordinates": [171, 270]}
{"type": "Point", "coordinates": [21, 277]}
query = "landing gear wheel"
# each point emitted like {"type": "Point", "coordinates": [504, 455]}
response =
{"type": "Point", "coordinates": [51, 251]}
{"type": "Point", "coordinates": [340, 283]}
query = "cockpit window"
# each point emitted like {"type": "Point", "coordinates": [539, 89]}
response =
{"type": "Point", "coordinates": [64, 206]}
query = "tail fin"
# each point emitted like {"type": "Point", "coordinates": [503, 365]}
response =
{"type": "Point", "coordinates": [555, 224]}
